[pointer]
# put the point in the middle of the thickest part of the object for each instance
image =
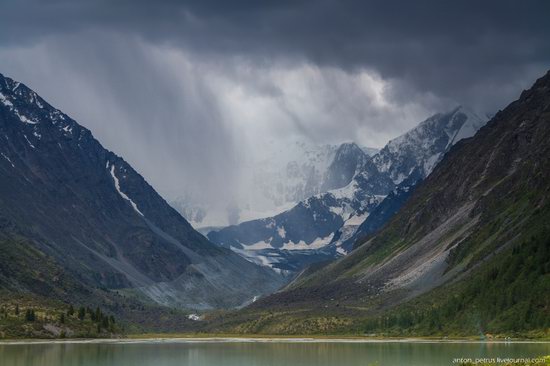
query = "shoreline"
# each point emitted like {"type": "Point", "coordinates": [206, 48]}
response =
{"type": "Point", "coordinates": [266, 339]}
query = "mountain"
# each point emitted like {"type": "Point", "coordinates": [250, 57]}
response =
{"type": "Point", "coordinates": [468, 253]}
{"type": "Point", "coordinates": [424, 146]}
{"type": "Point", "coordinates": [98, 222]}
{"type": "Point", "coordinates": [327, 224]}
{"type": "Point", "coordinates": [348, 160]}
{"type": "Point", "coordinates": [385, 210]}
{"type": "Point", "coordinates": [274, 179]}
{"type": "Point", "coordinates": [407, 160]}
{"type": "Point", "coordinates": [353, 232]}
{"type": "Point", "coordinates": [296, 237]}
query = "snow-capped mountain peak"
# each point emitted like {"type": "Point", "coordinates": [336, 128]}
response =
{"type": "Point", "coordinates": [424, 145]}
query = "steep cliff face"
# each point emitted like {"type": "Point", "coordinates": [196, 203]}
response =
{"type": "Point", "coordinates": [347, 162]}
{"type": "Point", "coordinates": [100, 220]}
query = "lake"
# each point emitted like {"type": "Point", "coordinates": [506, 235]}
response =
{"type": "Point", "coordinates": [257, 353]}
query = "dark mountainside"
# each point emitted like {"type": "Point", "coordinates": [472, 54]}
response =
{"type": "Point", "coordinates": [385, 210]}
{"type": "Point", "coordinates": [348, 160]}
{"type": "Point", "coordinates": [468, 253]}
{"type": "Point", "coordinates": [78, 224]}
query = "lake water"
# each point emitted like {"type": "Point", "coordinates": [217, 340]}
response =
{"type": "Point", "coordinates": [255, 353]}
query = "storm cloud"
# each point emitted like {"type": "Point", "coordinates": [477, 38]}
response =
{"type": "Point", "coordinates": [451, 48]}
{"type": "Point", "coordinates": [189, 90]}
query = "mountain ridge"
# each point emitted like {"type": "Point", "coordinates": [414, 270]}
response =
{"type": "Point", "coordinates": [85, 206]}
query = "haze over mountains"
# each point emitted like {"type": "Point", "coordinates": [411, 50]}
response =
{"type": "Point", "coordinates": [279, 176]}
{"type": "Point", "coordinates": [66, 198]}
{"type": "Point", "coordinates": [324, 225]}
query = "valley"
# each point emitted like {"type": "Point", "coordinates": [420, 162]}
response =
{"type": "Point", "coordinates": [418, 238]}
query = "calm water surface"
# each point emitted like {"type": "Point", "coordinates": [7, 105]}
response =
{"type": "Point", "coordinates": [281, 353]}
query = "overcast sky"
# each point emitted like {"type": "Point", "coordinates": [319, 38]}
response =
{"type": "Point", "coordinates": [188, 90]}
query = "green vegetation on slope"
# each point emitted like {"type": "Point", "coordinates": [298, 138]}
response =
{"type": "Point", "coordinates": [30, 317]}
{"type": "Point", "coordinates": [510, 295]}
{"type": "Point", "coordinates": [26, 269]}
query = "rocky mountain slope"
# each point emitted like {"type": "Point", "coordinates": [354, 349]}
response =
{"type": "Point", "coordinates": [467, 253]}
{"type": "Point", "coordinates": [63, 196]}
{"type": "Point", "coordinates": [326, 225]}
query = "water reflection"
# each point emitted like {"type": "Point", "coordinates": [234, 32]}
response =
{"type": "Point", "coordinates": [257, 354]}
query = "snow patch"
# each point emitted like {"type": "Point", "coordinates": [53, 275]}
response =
{"type": "Point", "coordinates": [22, 117]}
{"type": "Point", "coordinates": [194, 317]}
{"type": "Point", "coordinates": [252, 256]}
{"type": "Point", "coordinates": [259, 245]}
{"type": "Point", "coordinates": [25, 119]}
{"type": "Point", "coordinates": [281, 231]}
{"type": "Point", "coordinates": [8, 159]}
{"type": "Point", "coordinates": [122, 194]}
{"type": "Point", "coordinates": [341, 251]}
{"type": "Point", "coordinates": [356, 220]}
{"type": "Point", "coordinates": [28, 141]}
{"type": "Point", "coordinates": [345, 192]}
{"type": "Point", "coordinates": [301, 245]}
{"type": "Point", "coordinates": [5, 101]}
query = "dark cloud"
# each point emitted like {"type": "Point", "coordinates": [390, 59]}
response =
{"type": "Point", "coordinates": [452, 48]}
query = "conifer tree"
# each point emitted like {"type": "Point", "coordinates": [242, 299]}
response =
{"type": "Point", "coordinates": [29, 315]}
{"type": "Point", "coordinates": [81, 313]}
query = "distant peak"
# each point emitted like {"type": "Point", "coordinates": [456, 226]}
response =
{"type": "Point", "coordinates": [349, 150]}
{"type": "Point", "coordinates": [349, 146]}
